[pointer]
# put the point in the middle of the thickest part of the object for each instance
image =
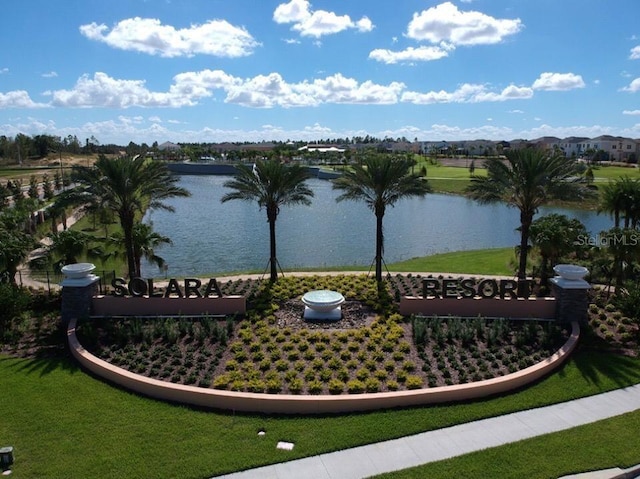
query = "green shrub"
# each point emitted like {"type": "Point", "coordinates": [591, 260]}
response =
{"type": "Point", "coordinates": [362, 374]}
{"type": "Point", "coordinates": [315, 387]}
{"type": "Point", "coordinates": [627, 300]}
{"type": "Point", "coordinates": [355, 386]}
{"type": "Point", "coordinates": [372, 385]}
{"type": "Point", "coordinates": [413, 382]}
{"type": "Point", "coordinates": [274, 385]}
{"type": "Point", "coordinates": [14, 301]}
{"type": "Point", "coordinates": [336, 386]}
{"type": "Point", "coordinates": [295, 386]}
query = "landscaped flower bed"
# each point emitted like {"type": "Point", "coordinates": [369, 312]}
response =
{"type": "Point", "coordinates": [273, 350]}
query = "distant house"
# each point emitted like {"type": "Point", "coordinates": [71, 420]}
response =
{"type": "Point", "coordinates": [618, 148]}
{"type": "Point", "coordinates": [547, 143]}
{"type": "Point", "coordinates": [572, 146]}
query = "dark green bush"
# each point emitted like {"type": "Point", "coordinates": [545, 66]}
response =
{"type": "Point", "coordinates": [627, 300]}
{"type": "Point", "coordinates": [13, 302]}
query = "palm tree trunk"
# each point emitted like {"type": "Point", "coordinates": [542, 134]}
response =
{"type": "Point", "coordinates": [273, 261]}
{"type": "Point", "coordinates": [379, 246]}
{"type": "Point", "coordinates": [544, 276]}
{"type": "Point", "coordinates": [525, 223]}
{"type": "Point", "coordinates": [126, 222]}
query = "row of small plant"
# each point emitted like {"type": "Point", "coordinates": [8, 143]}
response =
{"type": "Point", "coordinates": [613, 320]}
{"type": "Point", "coordinates": [456, 350]}
{"type": "Point", "coordinates": [353, 287]}
{"type": "Point", "coordinates": [181, 350]}
{"type": "Point", "coordinates": [248, 288]}
{"type": "Point", "coordinates": [408, 285]}
{"type": "Point", "coordinates": [265, 358]}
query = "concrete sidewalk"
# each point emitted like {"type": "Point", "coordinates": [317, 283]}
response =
{"type": "Point", "coordinates": [373, 459]}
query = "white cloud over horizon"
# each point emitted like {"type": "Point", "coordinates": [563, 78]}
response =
{"type": "Point", "coordinates": [123, 129]}
{"type": "Point", "coordinates": [272, 90]}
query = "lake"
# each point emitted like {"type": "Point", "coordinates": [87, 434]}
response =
{"type": "Point", "coordinates": [211, 238]}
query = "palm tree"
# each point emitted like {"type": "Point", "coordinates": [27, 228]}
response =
{"type": "Point", "coordinates": [380, 182]}
{"type": "Point", "coordinates": [271, 184]}
{"type": "Point", "coordinates": [68, 246]}
{"type": "Point", "coordinates": [14, 249]}
{"type": "Point", "coordinates": [554, 236]}
{"type": "Point", "coordinates": [145, 241]}
{"type": "Point", "coordinates": [128, 186]}
{"type": "Point", "coordinates": [527, 179]}
{"type": "Point", "coordinates": [621, 198]}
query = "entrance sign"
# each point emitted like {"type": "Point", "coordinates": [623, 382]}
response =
{"type": "Point", "coordinates": [190, 288]}
{"type": "Point", "coordinates": [469, 288]}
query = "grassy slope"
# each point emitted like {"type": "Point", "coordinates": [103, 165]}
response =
{"type": "Point", "coordinates": [65, 423]}
{"type": "Point", "coordinates": [491, 261]}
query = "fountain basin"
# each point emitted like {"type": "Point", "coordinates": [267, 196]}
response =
{"type": "Point", "coordinates": [322, 305]}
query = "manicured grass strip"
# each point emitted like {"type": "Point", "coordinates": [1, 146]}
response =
{"type": "Point", "coordinates": [496, 261]}
{"type": "Point", "coordinates": [606, 173]}
{"type": "Point", "coordinates": [604, 444]}
{"type": "Point", "coordinates": [454, 186]}
{"type": "Point", "coordinates": [64, 423]}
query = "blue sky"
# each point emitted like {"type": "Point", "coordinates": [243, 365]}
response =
{"type": "Point", "coordinates": [252, 70]}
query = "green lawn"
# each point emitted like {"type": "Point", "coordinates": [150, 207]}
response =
{"type": "Point", "coordinates": [64, 423]}
{"type": "Point", "coordinates": [605, 444]}
{"type": "Point", "coordinates": [499, 261]}
{"type": "Point", "coordinates": [606, 173]}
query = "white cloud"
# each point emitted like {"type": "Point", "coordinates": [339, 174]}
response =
{"type": "Point", "coordinates": [148, 35]}
{"type": "Point", "coordinates": [155, 119]}
{"type": "Point", "coordinates": [558, 82]}
{"type": "Point", "coordinates": [445, 23]}
{"type": "Point", "coordinates": [631, 112]}
{"type": "Point", "coordinates": [261, 91]}
{"type": "Point", "coordinates": [364, 25]}
{"type": "Point", "coordinates": [4, 70]}
{"type": "Point", "coordinates": [104, 91]}
{"type": "Point", "coordinates": [49, 75]}
{"type": "Point", "coordinates": [317, 23]}
{"type": "Point", "coordinates": [635, 53]}
{"type": "Point", "coordinates": [18, 99]}
{"type": "Point", "coordinates": [272, 90]}
{"type": "Point", "coordinates": [468, 93]}
{"type": "Point", "coordinates": [422, 53]}
{"type": "Point", "coordinates": [293, 12]}
{"type": "Point", "coordinates": [633, 87]}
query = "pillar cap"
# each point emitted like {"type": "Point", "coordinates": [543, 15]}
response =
{"type": "Point", "coordinates": [565, 283]}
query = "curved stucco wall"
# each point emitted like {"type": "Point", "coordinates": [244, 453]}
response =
{"type": "Point", "coordinates": [308, 404]}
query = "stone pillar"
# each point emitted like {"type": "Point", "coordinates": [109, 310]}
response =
{"type": "Point", "coordinates": [571, 292]}
{"type": "Point", "coordinates": [79, 286]}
